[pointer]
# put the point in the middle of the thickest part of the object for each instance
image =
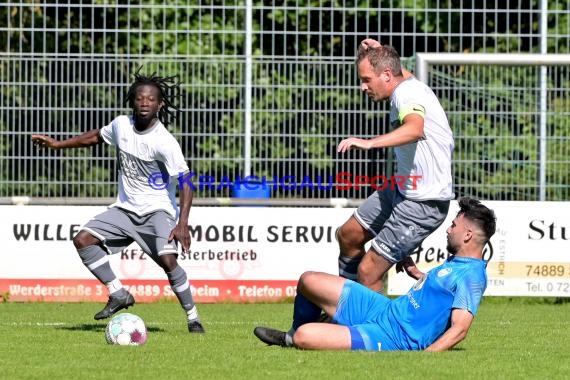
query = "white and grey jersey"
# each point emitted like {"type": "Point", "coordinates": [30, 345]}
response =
{"type": "Point", "coordinates": [142, 156]}
{"type": "Point", "coordinates": [429, 159]}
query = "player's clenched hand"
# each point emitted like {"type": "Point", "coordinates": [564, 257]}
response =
{"type": "Point", "coordinates": [181, 234]}
{"type": "Point", "coordinates": [44, 142]}
{"type": "Point", "coordinates": [352, 142]}
{"type": "Point", "coordinates": [407, 265]}
{"type": "Point", "coordinates": [369, 42]}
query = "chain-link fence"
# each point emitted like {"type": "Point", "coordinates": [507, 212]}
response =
{"type": "Point", "coordinates": [270, 90]}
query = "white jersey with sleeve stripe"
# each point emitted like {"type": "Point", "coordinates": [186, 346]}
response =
{"type": "Point", "coordinates": [425, 164]}
{"type": "Point", "coordinates": [143, 155]}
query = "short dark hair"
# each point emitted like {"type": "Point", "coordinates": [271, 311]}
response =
{"type": "Point", "coordinates": [482, 216]}
{"type": "Point", "coordinates": [169, 89]}
{"type": "Point", "coordinates": [380, 58]}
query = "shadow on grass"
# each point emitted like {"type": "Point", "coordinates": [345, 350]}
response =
{"type": "Point", "coordinates": [98, 327]}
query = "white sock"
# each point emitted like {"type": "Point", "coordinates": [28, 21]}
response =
{"type": "Point", "coordinates": [193, 314]}
{"type": "Point", "coordinates": [114, 286]}
{"type": "Point", "coordinates": [289, 337]}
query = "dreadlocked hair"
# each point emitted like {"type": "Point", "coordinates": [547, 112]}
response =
{"type": "Point", "coordinates": [169, 89]}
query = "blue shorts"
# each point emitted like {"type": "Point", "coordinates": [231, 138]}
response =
{"type": "Point", "coordinates": [362, 311]}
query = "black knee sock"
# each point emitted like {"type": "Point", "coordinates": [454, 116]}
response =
{"type": "Point", "coordinates": [348, 266]}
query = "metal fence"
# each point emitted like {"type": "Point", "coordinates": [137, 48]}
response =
{"type": "Point", "coordinates": [509, 113]}
{"type": "Point", "coordinates": [270, 90]}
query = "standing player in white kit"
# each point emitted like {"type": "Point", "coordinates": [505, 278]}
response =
{"type": "Point", "coordinates": [142, 213]}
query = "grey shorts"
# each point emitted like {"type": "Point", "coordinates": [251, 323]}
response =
{"type": "Point", "coordinates": [399, 225]}
{"type": "Point", "coordinates": [118, 228]}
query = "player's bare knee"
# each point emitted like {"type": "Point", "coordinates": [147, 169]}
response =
{"type": "Point", "coordinates": [347, 245]}
{"type": "Point", "coordinates": [305, 280]}
{"type": "Point", "coordinates": [352, 236]}
{"type": "Point", "coordinates": [340, 235]}
{"type": "Point", "coordinates": [167, 262]}
{"type": "Point", "coordinates": [343, 235]}
{"type": "Point", "coordinates": [84, 239]}
{"type": "Point", "coordinates": [302, 338]}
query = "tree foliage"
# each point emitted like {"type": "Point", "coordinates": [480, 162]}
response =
{"type": "Point", "coordinates": [301, 88]}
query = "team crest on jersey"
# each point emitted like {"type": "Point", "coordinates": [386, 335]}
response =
{"type": "Point", "coordinates": [444, 272]}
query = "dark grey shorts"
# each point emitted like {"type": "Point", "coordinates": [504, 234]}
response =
{"type": "Point", "coordinates": [118, 228]}
{"type": "Point", "coordinates": [400, 225]}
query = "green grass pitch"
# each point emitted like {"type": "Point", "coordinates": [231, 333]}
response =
{"type": "Point", "coordinates": [510, 339]}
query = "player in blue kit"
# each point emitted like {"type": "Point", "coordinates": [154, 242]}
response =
{"type": "Point", "coordinates": [434, 315]}
{"type": "Point", "coordinates": [144, 214]}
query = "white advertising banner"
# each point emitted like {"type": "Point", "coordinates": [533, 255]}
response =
{"type": "Point", "coordinates": [529, 255]}
{"type": "Point", "coordinates": [237, 253]}
{"type": "Point", "coordinates": [257, 253]}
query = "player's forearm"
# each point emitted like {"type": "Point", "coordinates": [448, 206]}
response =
{"type": "Point", "coordinates": [402, 135]}
{"type": "Point", "coordinates": [186, 195]}
{"type": "Point", "coordinates": [88, 138]}
{"type": "Point", "coordinates": [414, 273]}
{"type": "Point", "coordinates": [449, 339]}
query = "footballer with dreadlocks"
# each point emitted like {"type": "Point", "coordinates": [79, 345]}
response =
{"type": "Point", "coordinates": [150, 164]}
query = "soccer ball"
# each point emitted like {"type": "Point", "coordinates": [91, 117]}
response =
{"type": "Point", "coordinates": [126, 329]}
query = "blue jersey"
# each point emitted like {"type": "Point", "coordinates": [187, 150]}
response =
{"type": "Point", "coordinates": [417, 319]}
